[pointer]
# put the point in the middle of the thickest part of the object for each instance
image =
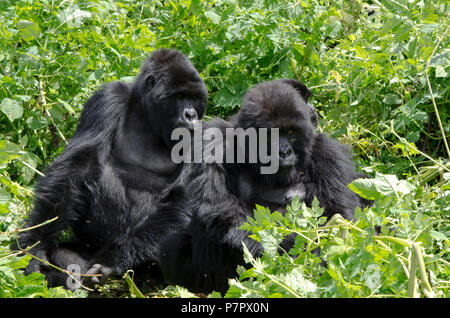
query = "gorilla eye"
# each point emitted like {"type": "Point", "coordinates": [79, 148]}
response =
{"type": "Point", "coordinates": [150, 81]}
{"type": "Point", "coordinates": [290, 132]}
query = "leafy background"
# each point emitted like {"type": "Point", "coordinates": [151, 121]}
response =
{"type": "Point", "coordinates": [379, 72]}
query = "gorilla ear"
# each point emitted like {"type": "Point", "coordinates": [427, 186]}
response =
{"type": "Point", "coordinates": [314, 115]}
{"type": "Point", "coordinates": [299, 86]}
{"type": "Point", "coordinates": [305, 93]}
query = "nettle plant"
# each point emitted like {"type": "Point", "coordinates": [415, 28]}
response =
{"type": "Point", "coordinates": [385, 253]}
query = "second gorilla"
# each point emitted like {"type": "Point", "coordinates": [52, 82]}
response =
{"type": "Point", "coordinates": [216, 199]}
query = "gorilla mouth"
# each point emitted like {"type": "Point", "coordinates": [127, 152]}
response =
{"type": "Point", "coordinates": [285, 164]}
{"type": "Point", "coordinates": [186, 125]}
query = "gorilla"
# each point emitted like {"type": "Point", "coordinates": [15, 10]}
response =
{"type": "Point", "coordinates": [107, 181]}
{"type": "Point", "coordinates": [216, 198]}
{"type": "Point", "coordinates": [311, 164]}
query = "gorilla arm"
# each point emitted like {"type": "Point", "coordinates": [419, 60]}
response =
{"type": "Point", "coordinates": [71, 178]}
{"type": "Point", "coordinates": [204, 253]}
{"type": "Point", "coordinates": [331, 169]}
{"type": "Point", "coordinates": [56, 196]}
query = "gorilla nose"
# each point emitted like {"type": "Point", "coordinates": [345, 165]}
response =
{"type": "Point", "coordinates": [285, 153]}
{"type": "Point", "coordinates": [287, 157]}
{"type": "Point", "coordinates": [188, 118]}
{"type": "Point", "coordinates": [189, 115]}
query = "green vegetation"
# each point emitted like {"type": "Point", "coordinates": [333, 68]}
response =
{"type": "Point", "coordinates": [379, 71]}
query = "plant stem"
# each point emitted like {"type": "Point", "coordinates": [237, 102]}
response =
{"type": "Point", "coordinates": [129, 275]}
{"type": "Point", "coordinates": [44, 106]}
{"type": "Point", "coordinates": [412, 282]}
{"type": "Point", "coordinates": [432, 96]}
{"type": "Point", "coordinates": [64, 271]}
{"type": "Point", "coordinates": [31, 227]}
{"type": "Point", "coordinates": [391, 129]}
{"type": "Point", "coordinates": [425, 284]}
{"type": "Point", "coordinates": [34, 169]}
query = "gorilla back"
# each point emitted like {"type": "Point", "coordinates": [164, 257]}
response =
{"type": "Point", "coordinates": [107, 181]}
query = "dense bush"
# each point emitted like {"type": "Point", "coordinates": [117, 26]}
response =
{"type": "Point", "coordinates": [379, 71]}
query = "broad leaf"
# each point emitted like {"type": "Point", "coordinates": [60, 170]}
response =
{"type": "Point", "coordinates": [11, 108]}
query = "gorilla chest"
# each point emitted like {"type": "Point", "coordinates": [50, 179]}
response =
{"type": "Point", "coordinates": [143, 177]}
{"type": "Point", "coordinates": [125, 196]}
{"type": "Point", "coordinates": [272, 196]}
{"type": "Point", "coordinates": [141, 161]}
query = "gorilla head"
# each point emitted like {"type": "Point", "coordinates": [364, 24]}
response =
{"type": "Point", "coordinates": [311, 164]}
{"type": "Point", "coordinates": [169, 93]}
{"type": "Point", "coordinates": [282, 104]}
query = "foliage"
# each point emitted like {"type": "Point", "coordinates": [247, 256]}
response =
{"type": "Point", "coordinates": [379, 71]}
{"type": "Point", "coordinates": [355, 261]}
{"type": "Point", "coordinates": [15, 284]}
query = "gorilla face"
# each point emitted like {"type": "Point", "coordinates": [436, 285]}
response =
{"type": "Point", "coordinates": [170, 93]}
{"type": "Point", "coordinates": [282, 104]}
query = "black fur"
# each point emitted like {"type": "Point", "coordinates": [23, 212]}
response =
{"type": "Point", "coordinates": [216, 199]}
{"type": "Point", "coordinates": [106, 183]}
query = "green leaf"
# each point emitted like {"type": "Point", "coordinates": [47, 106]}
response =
{"type": "Point", "coordinates": [421, 116]}
{"type": "Point", "coordinates": [372, 276]}
{"type": "Point", "coordinates": [246, 274]}
{"type": "Point", "coordinates": [365, 188]}
{"type": "Point", "coordinates": [334, 250]}
{"type": "Point", "coordinates": [295, 204]}
{"type": "Point", "coordinates": [12, 109]}
{"type": "Point", "coordinates": [28, 173]}
{"type": "Point", "coordinates": [37, 123]}
{"type": "Point", "coordinates": [7, 79]}
{"type": "Point", "coordinates": [297, 281]}
{"type": "Point", "coordinates": [438, 235]}
{"type": "Point", "coordinates": [270, 240]}
{"type": "Point", "coordinates": [413, 136]}
{"type": "Point", "coordinates": [441, 71]}
{"type": "Point", "coordinates": [248, 257]}
{"type": "Point", "coordinates": [391, 99]}
{"type": "Point", "coordinates": [9, 151]}
{"type": "Point", "coordinates": [440, 59]}
{"type": "Point", "coordinates": [67, 106]}
{"type": "Point", "coordinates": [29, 30]}
{"type": "Point", "coordinates": [316, 210]}
{"type": "Point", "coordinates": [19, 262]}
{"type": "Point", "coordinates": [134, 290]}
{"type": "Point", "coordinates": [73, 16]}
{"type": "Point", "coordinates": [215, 18]}
{"type": "Point", "coordinates": [262, 215]}
{"type": "Point", "coordinates": [382, 185]}
{"type": "Point", "coordinates": [4, 196]}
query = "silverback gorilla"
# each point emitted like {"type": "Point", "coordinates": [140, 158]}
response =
{"type": "Point", "coordinates": [106, 182]}
{"type": "Point", "coordinates": [217, 198]}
